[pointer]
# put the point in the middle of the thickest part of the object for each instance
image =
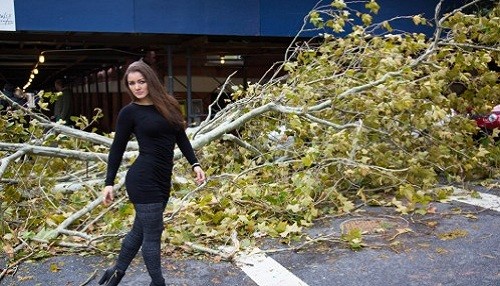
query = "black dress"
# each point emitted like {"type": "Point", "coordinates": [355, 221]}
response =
{"type": "Point", "coordinates": [149, 178]}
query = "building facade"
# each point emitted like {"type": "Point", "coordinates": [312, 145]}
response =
{"type": "Point", "coordinates": [194, 45]}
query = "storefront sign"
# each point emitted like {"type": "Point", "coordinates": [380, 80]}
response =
{"type": "Point", "coordinates": [7, 15]}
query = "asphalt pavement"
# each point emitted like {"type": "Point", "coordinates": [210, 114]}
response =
{"type": "Point", "coordinates": [455, 244]}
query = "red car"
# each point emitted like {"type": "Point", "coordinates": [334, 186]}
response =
{"type": "Point", "coordinates": [488, 122]}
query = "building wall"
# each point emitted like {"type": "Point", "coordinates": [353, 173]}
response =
{"type": "Point", "coordinates": [215, 17]}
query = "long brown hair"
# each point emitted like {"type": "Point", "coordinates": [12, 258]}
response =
{"type": "Point", "coordinates": [166, 104]}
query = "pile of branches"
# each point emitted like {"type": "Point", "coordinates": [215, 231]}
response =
{"type": "Point", "coordinates": [357, 115]}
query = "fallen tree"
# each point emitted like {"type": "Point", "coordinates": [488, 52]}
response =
{"type": "Point", "coordinates": [362, 118]}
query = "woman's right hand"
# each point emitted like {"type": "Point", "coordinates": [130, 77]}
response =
{"type": "Point", "coordinates": [107, 194]}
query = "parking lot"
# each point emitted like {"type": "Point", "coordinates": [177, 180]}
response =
{"type": "Point", "coordinates": [457, 243]}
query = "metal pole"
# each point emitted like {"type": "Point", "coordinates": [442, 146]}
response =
{"type": "Point", "coordinates": [188, 84]}
{"type": "Point", "coordinates": [119, 85]}
{"type": "Point", "coordinates": [106, 77]}
{"type": "Point", "coordinates": [170, 71]}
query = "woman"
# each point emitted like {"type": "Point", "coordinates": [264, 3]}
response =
{"type": "Point", "coordinates": [155, 118]}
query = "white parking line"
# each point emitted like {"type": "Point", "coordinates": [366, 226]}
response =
{"type": "Point", "coordinates": [485, 200]}
{"type": "Point", "coordinates": [265, 271]}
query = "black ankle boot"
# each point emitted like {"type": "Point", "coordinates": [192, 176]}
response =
{"type": "Point", "coordinates": [111, 277]}
{"type": "Point", "coordinates": [158, 283]}
{"type": "Point", "coordinates": [153, 284]}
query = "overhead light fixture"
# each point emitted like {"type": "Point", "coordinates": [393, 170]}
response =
{"type": "Point", "coordinates": [227, 60]}
{"type": "Point", "coordinates": [41, 57]}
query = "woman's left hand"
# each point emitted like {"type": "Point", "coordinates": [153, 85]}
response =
{"type": "Point", "coordinates": [200, 175]}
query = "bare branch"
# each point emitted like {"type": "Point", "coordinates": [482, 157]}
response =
{"type": "Point", "coordinates": [470, 46]}
{"type": "Point", "coordinates": [185, 198]}
{"type": "Point", "coordinates": [53, 152]}
{"type": "Point", "coordinates": [5, 161]}
{"type": "Point", "coordinates": [330, 124]}
{"type": "Point", "coordinates": [210, 107]}
{"type": "Point", "coordinates": [242, 143]}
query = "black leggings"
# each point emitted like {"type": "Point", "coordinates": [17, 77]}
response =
{"type": "Point", "coordinates": [146, 232]}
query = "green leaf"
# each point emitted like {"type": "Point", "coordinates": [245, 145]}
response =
{"type": "Point", "coordinates": [367, 19]}
{"type": "Point", "coordinates": [387, 26]}
{"type": "Point", "coordinates": [339, 4]}
{"type": "Point", "coordinates": [291, 229]}
{"type": "Point", "coordinates": [307, 161]}
{"type": "Point", "coordinates": [281, 227]}
{"type": "Point", "coordinates": [54, 267]}
{"type": "Point", "coordinates": [294, 208]}
{"type": "Point", "coordinates": [417, 19]}
{"type": "Point", "coordinates": [46, 234]}
{"type": "Point", "coordinates": [373, 6]}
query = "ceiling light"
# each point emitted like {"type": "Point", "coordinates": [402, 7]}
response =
{"type": "Point", "coordinates": [227, 60]}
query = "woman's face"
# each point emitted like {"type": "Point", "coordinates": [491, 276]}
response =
{"type": "Point", "coordinates": [138, 86]}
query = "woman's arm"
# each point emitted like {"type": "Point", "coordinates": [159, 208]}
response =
{"type": "Point", "coordinates": [124, 128]}
{"type": "Point", "coordinates": [188, 152]}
